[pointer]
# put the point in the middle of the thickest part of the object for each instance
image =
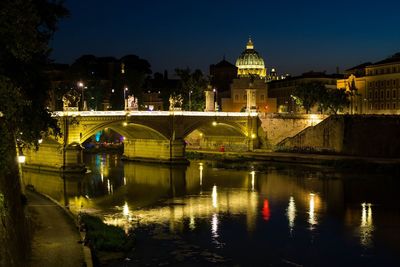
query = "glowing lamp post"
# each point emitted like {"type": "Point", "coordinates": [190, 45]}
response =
{"type": "Point", "coordinates": [190, 100]}
{"type": "Point", "coordinates": [216, 99]}
{"type": "Point", "coordinates": [81, 86]}
{"type": "Point", "coordinates": [125, 99]}
{"type": "Point", "coordinates": [21, 159]}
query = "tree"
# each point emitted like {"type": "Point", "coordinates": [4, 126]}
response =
{"type": "Point", "coordinates": [191, 87]}
{"type": "Point", "coordinates": [308, 94]}
{"type": "Point", "coordinates": [93, 73]}
{"type": "Point", "coordinates": [337, 99]}
{"type": "Point", "coordinates": [26, 27]}
{"type": "Point", "coordinates": [135, 72]}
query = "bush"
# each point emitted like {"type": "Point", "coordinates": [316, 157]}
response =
{"type": "Point", "coordinates": [105, 237]}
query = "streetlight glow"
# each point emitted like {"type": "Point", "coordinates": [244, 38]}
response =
{"type": "Point", "coordinates": [21, 159]}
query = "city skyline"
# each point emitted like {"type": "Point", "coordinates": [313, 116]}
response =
{"type": "Point", "coordinates": [291, 37]}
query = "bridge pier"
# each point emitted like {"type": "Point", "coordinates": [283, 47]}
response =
{"type": "Point", "coordinates": [149, 150]}
{"type": "Point", "coordinates": [51, 157]}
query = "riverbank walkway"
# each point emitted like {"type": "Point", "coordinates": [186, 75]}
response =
{"type": "Point", "coordinates": [55, 240]}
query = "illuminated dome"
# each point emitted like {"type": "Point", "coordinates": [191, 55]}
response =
{"type": "Point", "coordinates": [250, 62]}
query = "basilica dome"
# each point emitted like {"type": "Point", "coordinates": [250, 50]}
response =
{"type": "Point", "coordinates": [250, 62]}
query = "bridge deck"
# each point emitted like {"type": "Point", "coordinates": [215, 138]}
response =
{"type": "Point", "coordinates": [154, 113]}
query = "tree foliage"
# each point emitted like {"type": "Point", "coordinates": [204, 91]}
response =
{"type": "Point", "coordinates": [26, 27]}
{"type": "Point", "coordinates": [192, 84]}
{"type": "Point", "coordinates": [337, 99]}
{"type": "Point", "coordinates": [310, 94]}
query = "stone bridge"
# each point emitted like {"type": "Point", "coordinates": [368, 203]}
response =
{"type": "Point", "coordinates": [148, 135]}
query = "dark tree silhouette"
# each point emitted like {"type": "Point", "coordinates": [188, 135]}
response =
{"type": "Point", "coordinates": [191, 87]}
{"type": "Point", "coordinates": [26, 27]}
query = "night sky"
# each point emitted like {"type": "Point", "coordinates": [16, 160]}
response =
{"type": "Point", "coordinates": [292, 36]}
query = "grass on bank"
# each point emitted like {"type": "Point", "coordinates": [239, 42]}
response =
{"type": "Point", "coordinates": [104, 237]}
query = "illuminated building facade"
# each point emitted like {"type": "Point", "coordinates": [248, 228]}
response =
{"type": "Point", "coordinates": [375, 87]}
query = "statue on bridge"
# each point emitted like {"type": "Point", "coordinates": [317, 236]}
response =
{"type": "Point", "coordinates": [71, 100]}
{"type": "Point", "coordinates": [133, 103]}
{"type": "Point", "coordinates": [175, 102]}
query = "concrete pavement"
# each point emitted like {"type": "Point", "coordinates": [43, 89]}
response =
{"type": "Point", "coordinates": [55, 236]}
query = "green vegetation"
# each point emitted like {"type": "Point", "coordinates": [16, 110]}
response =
{"type": "Point", "coordinates": [26, 27]}
{"type": "Point", "coordinates": [191, 87]}
{"type": "Point", "coordinates": [308, 95]}
{"type": "Point", "coordinates": [2, 206]}
{"type": "Point", "coordinates": [105, 237]}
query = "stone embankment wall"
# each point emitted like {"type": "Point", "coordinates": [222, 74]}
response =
{"type": "Point", "coordinates": [358, 135]}
{"type": "Point", "coordinates": [277, 127]}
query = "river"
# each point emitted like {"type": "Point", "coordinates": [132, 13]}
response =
{"type": "Point", "coordinates": [237, 214]}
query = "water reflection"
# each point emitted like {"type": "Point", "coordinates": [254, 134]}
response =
{"type": "Point", "coordinates": [203, 199]}
{"type": "Point", "coordinates": [291, 213]}
{"type": "Point", "coordinates": [312, 217]}
{"type": "Point", "coordinates": [366, 226]}
{"type": "Point", "coordinates": [201, 173]}
{"type": "Point", "coordinates": [253, 174]}
{"type": "Point", "coordinates": [214, 196]}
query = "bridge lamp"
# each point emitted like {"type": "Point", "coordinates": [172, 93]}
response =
{"type": "Point", "coordinates": [40, 141]}
{"type": "Point", "coordinates": [253, 136]}
{"type": "Point", "coordinates": [214, 123]}
{"type": "Point", "coordinates": [124, 123]}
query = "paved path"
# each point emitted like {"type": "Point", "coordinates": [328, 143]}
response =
{"type": "Point", "coordinates": [55, 237]}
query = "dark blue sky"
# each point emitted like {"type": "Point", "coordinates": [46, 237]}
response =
{"type": "Point", "coordinates": [293, 36]}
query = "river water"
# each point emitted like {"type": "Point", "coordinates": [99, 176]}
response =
{"type": "Point", "coordinates": [238, 214]}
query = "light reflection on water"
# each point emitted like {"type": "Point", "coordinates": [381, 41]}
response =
{"type": "Point", "coordinates": [366, 226]}
{"type": "Point", "coordinates": [291, 213]}
{"type": "Point", "coordinates": [261, 206]}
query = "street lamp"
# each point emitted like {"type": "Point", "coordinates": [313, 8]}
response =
{"type": "Point", "coordinates": [190, 100]}
{"type": "Point", "coordinates": [216, 99]}
{"type": "Point", "coordinates": [81, 86]}
{"type": "Point", "coordinates": [125, 100]}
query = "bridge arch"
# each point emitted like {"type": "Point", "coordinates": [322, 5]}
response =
{"type": "Point", "coordinates": [216, 127]}
{"type": "Point", "coordinates": [128, 130]}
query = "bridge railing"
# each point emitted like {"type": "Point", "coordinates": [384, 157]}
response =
{"type": "Point", "coordinates": [154, 113]}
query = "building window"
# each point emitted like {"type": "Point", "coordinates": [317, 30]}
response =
{"type": "Point", "coordinates": [245, 97]}
{"type": "Point", "coordinates": [370, 94]}
{"type": "Point", "coordinates": [394, 94]}
{"type": "Point", "coordinates": [387, 106]}
{"type": "Point", "coordinates": [376, 94]}
{"type": "Point", "coordinates": [382, 106]}
{"type": "Point", "coordinates": [394, 105]}
{"type": "Point", "coordinates": [382, 94]}
{"type": "Point", "coordinates": [262, 97]}
{"type": "Point", "coordinates": [387, 94]}
{"type": "Point", "coordinates": [236, 97]}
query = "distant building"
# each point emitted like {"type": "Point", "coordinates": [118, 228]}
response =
{"type": "Point", "coordinates": [158, 90]}
{"type": "Point", "coordinates": [222, 75]}
{"type": "Point", "coordinates": [374, 87]}
{"type": "Point", "coordinates": [283, 89]}
{"type": "Point", "coordinates": [248, 92]}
